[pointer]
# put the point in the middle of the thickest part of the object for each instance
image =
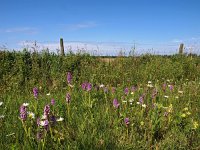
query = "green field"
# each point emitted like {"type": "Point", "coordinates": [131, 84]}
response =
{"type": "Point", "coordinates": [80, 101]}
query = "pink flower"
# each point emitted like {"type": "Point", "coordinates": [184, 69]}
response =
{"type": "Point", "coordinates": [115, 103]}
{"type": "Point", "coordinates": [126, 121]}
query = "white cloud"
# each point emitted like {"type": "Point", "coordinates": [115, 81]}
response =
{"type": "Point", "coordinates": [113, 48]}
{"type": "Point", "coordinates": [94, 48]}
{"type": "Point", "coordinates": [26, 30]}
{"type": "Point", "coordinates": [177, 41]}
{"type": "Point", "coordinates": [78, 26]}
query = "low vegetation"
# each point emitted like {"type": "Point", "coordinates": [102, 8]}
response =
{"type": "Point", "coordinates": [80, 101]}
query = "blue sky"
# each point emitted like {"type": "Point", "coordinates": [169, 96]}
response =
{"type": "Point", "coordinates": [104, 24]}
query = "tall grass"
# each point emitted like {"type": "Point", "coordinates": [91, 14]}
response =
{"type": "Point", "coordinates": [158, 94]}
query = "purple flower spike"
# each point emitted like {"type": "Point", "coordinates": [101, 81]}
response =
{"type": "Point", "coordinates": [52, 102]}
{"type": "Point", "coordinates": [53, 119]}
{"type": "Point", "coordinates": [141, 99]}
{"type": "Point", "coordinates": [89, 86]}
{"type": "Point", "coordinates": [35, 92]}
{"type": "Point", "coordinates": [126, 91]}
{"type": "Point", "coordinates": [126, 121]}
{"type": "Point", "coordinates": [69, 78]}
{"type": "Point", "coordinates": [46, 110]}
{"type": "Point", "coordinates": [115, 103]}
{"type": "Point", "coordinates": [133, 89]}
{"type": "Point", "coordinates": [68, 98]}
{"type": "Point", "coordinates": [23, 112]}
{"type": "Point", "coordinates": [84, 86]}
{"type": "Point", "coordinates": [171, 87]}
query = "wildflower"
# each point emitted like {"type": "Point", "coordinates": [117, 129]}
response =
{"type": "Point", "coordinates": [53, 119]}
{"type": "Point", "coordinates": [188, 113]}
{"type": "Point", "coordinates": [89, 87]}
{"type": "Point", "coordinates": [180, 92]}
{"type": "Point", "coordinates": [2, 116]}
{"type": "Point", "coordinates": [133, 89]}
{"type": "Point", "coordinates": [43, 117]}
{"type": "Point", "coordinates": [115, 103]}
{"type": "Point", "coordinates": [183, 115]}
{"type": "Point", "coordinates": [195, 125]}
{"type": "Point", "coordinates": [141, 99]}
{"type": "Point", "coordinates": [166, 96]}
{"type": "Point", "coordinates": [126, 121]}
{"type": "Point", "coordinates": [126, 91]}
{"type": "Point", "coordinates": [46, 111]}
{"type": "Point", "coordinates": [138, 103]}
{"type": "Point", "coordinates": [69, 77]}
{"type": "Point", "coordinates": [176, 97]}
{"type": "Point", "coordinates": [68, 98]}
{"type": "Point", "coordinates": [131, 100]}
{"type": "Point", "coordinates": [31, 115]}
{"type": "Point", "coordinates": [171, 87]}
{"type": "Point", "coordinates": [170, 108]}
{"type": "Point", "coordinates": [149, 82]}
{"type": "Point", "coordinates": [101, 86]}
{"type": "Point", "coordinates": [1, 103]}
{"type": "Point", "coordinates": [149, 85]}
{"type": "Point", "coordinates": [52, 102]}
{"type": "Point", "coordinates": [84, 86]}
{"type": "Point", "coordinates": [25, 104]}
{"type": "Point", "coordinates": [60, 119]}
{"type": "Point", "coordinates": [142, 123]}
{"type": "Point", "coordinates": [144, 105]}
{"type": "Point", "coordinates": [48, 94]}
{"type": "Point", "coordinates": [35, 92]}
{"type": "Point", "coordinates": [23, 112]}
{"type": "Point", "coordinates": [44, 123]}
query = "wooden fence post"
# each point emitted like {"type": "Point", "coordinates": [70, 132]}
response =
{"type": "Point", "coordinates": [181, 48]}
{"type": "Point", "coordinates": [62, 47]}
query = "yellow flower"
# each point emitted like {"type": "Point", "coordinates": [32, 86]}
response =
{"type": "Point", "coordinates": [195, 125]}
{"type": "Point", "coordinates": [183, 115]}
{"type": "Point", "coordinates": [188, 113]}
{"type": "Point", "coordinates": [142, 123]}
{"type": "Point", "coordinates": [185, 109]}
{"type": "Point", "coordinates": [31, 115]}
{"type": "Point", "coordinates": [170, 108]}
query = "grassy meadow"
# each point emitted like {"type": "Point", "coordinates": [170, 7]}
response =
{"type": "Point", "coordinates": [80, 101]}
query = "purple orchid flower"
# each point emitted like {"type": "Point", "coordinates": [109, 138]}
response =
{"type": "Point", "coordinates": [115, 103]}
